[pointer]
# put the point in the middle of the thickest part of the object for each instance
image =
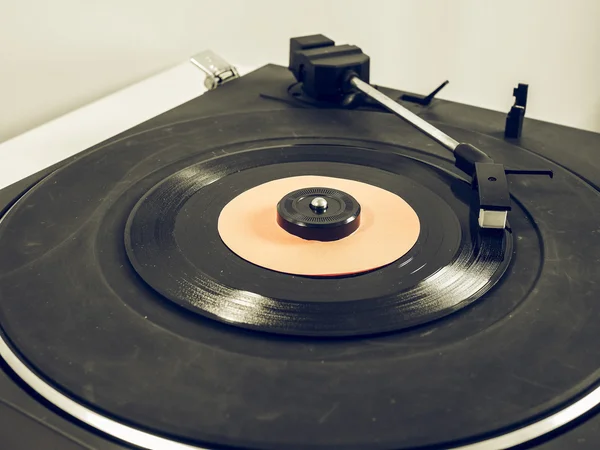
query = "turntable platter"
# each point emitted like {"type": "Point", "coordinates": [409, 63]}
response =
{"type": "Point", "coordinates": [129, 351]}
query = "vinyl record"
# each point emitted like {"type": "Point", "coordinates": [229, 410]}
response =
{"type": "Point", "coordinates": [173, 242]}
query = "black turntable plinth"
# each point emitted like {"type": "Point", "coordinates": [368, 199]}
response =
{"type": "Point", "coordinates": [130, 318]}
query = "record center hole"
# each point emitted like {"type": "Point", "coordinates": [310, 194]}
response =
{"type": "Point", "coordinates": [492, 179]}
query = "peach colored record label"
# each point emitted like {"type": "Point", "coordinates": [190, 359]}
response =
{"type": "Point", "coordinates": [388, 229]}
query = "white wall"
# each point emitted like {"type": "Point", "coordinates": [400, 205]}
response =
{"type": "Point", "coordinates": [58, 55]}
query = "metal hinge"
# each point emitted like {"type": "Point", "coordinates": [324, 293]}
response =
{"type": "Point", "coordinates": [217, 70]}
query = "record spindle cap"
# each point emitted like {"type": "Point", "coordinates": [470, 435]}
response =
{"type": "Point", "coordinates": [318, 205]}
{"type": "Point", "coordinates": [319, 214]}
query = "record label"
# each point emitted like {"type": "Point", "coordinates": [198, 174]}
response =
{"type": "Point", "coordinates": [388, 230]}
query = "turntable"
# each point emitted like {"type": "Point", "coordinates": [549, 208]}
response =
{"type": "Point", "coordinates": [300, 259]}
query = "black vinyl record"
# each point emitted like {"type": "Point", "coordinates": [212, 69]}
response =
{"type": "Point", "coordinates": [173, 243]}
{"type": "Point", "coordinates": [519, 353]}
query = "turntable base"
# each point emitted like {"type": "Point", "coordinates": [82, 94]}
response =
{"type": "Point", "coordinates": [471, 375]}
